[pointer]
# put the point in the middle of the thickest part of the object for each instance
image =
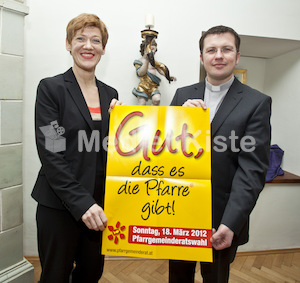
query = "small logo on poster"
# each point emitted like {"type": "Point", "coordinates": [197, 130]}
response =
{"type": "Point", "coordinates": [54, 141]}
{"type": "Point", "coordinates": [116, 232]}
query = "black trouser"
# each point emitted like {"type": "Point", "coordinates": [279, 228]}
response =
{"type": "Point", "coordinates": [216, 272]}
{"type": "Point", "coordinates": [63, 241]}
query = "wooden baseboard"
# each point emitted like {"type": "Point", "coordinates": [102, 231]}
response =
{"type": "Point", "coordinates": [268, 252]}
{"type": "Point", "coordinates": [34, 259]}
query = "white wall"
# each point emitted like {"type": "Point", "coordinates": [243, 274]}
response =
{"type": "Point", "coordinates": [256, 71]}
{"type": "Point", "coordinates": [275, 222]}
{"type": "Point", "coordinates": [179, 25]}
{"type": "Point", "coordinates": [282, 81]}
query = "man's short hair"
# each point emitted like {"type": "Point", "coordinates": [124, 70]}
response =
{"type": "Point", "coordinates": [220, 30]}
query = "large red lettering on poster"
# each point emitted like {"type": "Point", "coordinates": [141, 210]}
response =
{"type": "Point", "coordinates": [144, 143]}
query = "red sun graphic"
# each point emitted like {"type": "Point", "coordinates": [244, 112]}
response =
{"type": "Point", "coordinates": [116, 232]}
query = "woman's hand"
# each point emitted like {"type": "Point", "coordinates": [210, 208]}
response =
{"type": "Point", "coordinates": [113, 103]}
{"type": "Point", "coordinates": [95, 218]}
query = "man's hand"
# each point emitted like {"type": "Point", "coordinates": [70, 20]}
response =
{"type": "Point", "coordinates": [195, 103]}
{"type": "Point", "coordinates": [222, 238]}
{"type": "Point", "coordinates": [95, 218]}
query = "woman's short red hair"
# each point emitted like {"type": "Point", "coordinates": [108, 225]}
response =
{"type": "Point", "coordinates": [86, 20]}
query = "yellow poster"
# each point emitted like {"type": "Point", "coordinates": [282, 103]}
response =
{"type": "Point", "coordinates": [158, 188]}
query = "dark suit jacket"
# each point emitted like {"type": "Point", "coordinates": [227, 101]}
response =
{"type": "Point", "coordinates": [67, 179]}
{"type": "Point", "coordinates": [237, 177]}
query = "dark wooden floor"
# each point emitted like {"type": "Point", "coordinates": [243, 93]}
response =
{"type": "Point", "coordinates": [255, 267]}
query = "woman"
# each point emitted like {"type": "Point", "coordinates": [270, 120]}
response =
{"type": "Point", "coordinates": [72, 113]}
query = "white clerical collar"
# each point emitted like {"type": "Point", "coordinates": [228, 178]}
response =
{"type": "Point", "coordinates": [222, 87]}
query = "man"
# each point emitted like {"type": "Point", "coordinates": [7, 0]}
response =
{"type": "Point", "coordinates": [240, 134]}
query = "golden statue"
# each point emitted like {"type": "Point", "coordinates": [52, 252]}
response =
{"type": "Point", "coordinates": [147, 68]}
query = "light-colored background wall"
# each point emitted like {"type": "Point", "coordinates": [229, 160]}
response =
{"type": "Point", "coordinates": [275, 222]}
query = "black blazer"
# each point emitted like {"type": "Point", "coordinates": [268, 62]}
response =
{"type": "Point", "coordinates": [67, 179]}
{"type": "Point", "coordinates": [237, 176]}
